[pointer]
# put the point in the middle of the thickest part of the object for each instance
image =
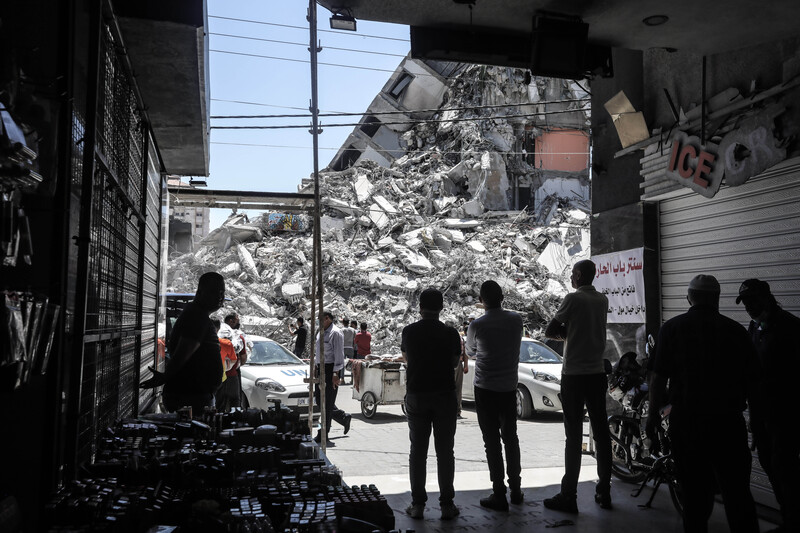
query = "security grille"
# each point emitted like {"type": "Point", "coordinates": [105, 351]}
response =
{"type": "Point", "coordinates": [123, 255]}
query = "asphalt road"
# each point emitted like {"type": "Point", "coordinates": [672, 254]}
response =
{"type": "Point", "coordinates": [379, 446]}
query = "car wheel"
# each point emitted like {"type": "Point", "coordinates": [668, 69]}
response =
{"type": "Point", "coordinates": [369, 404]}
{"type": "Point", "coordinates": [524, 403]}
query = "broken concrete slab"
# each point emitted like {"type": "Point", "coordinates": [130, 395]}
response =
{"type": "Point", "coordinates": [378, 216]}
{"type": "Point", "coordinates": [246, 260]}
{"type": "Point", "coordinates": [461, 223]}
{"type": "Point", "coordinates": [473, 208]}
{"type": "Point", "coordinates": [363, 188]}
{"type": "Point", "coordinates": [476, 247]}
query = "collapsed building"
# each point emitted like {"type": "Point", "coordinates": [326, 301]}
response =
{"type": "Point", "coordinates": [482, 188]}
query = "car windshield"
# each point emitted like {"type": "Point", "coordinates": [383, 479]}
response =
{"type": "Point", "coordinates": [533, 352]}
{"type": "Point", "coordinates": [271, 353]}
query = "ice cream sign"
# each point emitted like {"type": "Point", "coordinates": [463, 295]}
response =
{"type": "Point", "coordinates": [695, 165]}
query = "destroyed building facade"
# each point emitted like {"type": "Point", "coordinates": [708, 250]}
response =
{"type": "Point", "coordinates": [487, 179]}
{"type": "Point", "coordinates": [539, 125]}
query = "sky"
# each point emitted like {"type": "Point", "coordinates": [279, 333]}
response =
{"type": "Point", "coordinates": [358, 66]}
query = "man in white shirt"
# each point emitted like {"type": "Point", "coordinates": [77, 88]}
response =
{"type": "Point", "coordinates": [332, 346]}
{"type": "Point", "coordinates": [581, 323]}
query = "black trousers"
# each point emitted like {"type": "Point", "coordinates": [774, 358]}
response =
{"type": "Point", "coordinates": [331, 411]}
{"type": "Point", "coordinates": [779, 455]}
{"type": "Point", "coordinates": [497, 418]}
{"type": "Point", "coordinates": [426, 411]}
{"type": "Point", "coordinates": [577, 391]}
{"type": "Point", "coordinates": [710, 452]}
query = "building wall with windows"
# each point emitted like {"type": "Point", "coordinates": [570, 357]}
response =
{"type": "Point", "coordinates": [197, 217]}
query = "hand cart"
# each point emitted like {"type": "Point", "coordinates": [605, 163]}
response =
{"type": "Point", "coordinates": [379, 383]}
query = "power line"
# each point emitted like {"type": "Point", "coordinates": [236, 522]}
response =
{"type": "Point", "coordinates": [406, 152]}
{"type": "Point", "coordinates": [301, 61]}
{"type": "Point", "coordinates": [415, 74]}
{"type": "Point", "coordinates": [306, 45]}
{"type": "Point", "coordinates": [399, 123]}
{"type": "Point", "coordinates": [305, 28]}
{"type": "Point", "coordinates": [469, 108]}
{"type": "Point", "coordinates": [258, 104]}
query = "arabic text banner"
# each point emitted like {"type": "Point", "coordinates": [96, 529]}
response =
{"type": "Point", "coordinates": [620, 277]}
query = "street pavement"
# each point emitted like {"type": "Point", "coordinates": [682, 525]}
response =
{"type": "Point", "coordinates": [375, 451]}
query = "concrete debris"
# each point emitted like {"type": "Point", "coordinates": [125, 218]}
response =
{"type": "Point", "coordinates": [449, 214]}
{"type": "Point", "coordinates": [246, 260]}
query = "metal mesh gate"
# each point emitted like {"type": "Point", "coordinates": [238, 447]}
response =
{"type": "Point", "coordinates": [123, 254]}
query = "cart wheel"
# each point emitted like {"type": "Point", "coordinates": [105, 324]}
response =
{"type": "Point", "coordinates": [369, 404]}
{"type": "Point", "coordinates": [403, 407]}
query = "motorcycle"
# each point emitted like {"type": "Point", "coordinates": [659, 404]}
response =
{"type": "Point", "coordinates": [635, 459]}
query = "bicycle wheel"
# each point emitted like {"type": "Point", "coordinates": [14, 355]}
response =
{"type": "Point", "coordinates": [621, 439]}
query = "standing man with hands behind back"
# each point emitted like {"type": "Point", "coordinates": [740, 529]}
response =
{"type": "Point", "coordinates": [581, 323]}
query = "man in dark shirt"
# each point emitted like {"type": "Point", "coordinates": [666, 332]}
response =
{"type": "Point", "coordinates": [431, 351]}
{"type": "Point", "coordinates": [300, 333]}
{"type": "Point", "coordinates": [194, 369]}
{"type": "Point", "coordinates": [711, 367]}
{"type": "Point", "coordinates": [774, 334]}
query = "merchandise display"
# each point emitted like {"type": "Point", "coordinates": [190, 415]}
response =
{"type": "Point", "coordinates": [243, 471]}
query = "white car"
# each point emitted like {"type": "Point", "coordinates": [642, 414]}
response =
{"type": "Point", "coordinates": [539, 385]}
{"type": "Point", "coordinates": [274, 373]}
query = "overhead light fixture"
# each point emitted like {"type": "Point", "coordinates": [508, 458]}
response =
{"type": "Point", "coordinates": [198, 182]}
{"type": "Point", "coordinates": [343, 22]}
{"type": "Point", "coordinates": [655, 20]}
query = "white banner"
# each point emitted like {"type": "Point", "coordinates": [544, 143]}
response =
{"type": "Point", "coordinates": [620, 277]}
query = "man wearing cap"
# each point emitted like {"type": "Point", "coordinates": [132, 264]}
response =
{"type": "Point", "coordinates": [774, 334]}
{"type": "Point", "coordinates": [494, 340]}
{"type": "Point", "coordinates": [711, 367]}
{"type": "Point", "coordinates": [431, 350]}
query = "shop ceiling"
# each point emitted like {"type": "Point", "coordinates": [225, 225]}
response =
{"type": "Point", "coordinates": [704, 27]}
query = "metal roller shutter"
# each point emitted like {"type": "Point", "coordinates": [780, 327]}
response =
{"type": "Point", "coordinates": [751, 231]}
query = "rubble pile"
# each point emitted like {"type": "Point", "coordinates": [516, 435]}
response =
{"type": "Point", "coordinates": [439, 217]}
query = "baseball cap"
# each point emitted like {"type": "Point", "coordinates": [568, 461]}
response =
{"type": "Point", "coordinates": [431, 299]}
{"type": "Point", "coordinates": [704, 283]}
{"type": "Point", "coordinates": [752, 287]}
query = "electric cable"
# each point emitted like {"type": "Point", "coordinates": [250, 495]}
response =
{"type": "Point", "coordinates": [304, 61]}
{"type": "Point", "coordinates": [306, 45]}
{"type": "Point", "coordinates": [465, 108]}
{"type": "Point", "coordinates": [405, 152]}
{"type": "Point", "coordinates": [305, 28]}
{"type": "Point", "coordinates": [397, 123]}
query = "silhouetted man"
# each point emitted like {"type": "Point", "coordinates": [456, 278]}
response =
{"type": "Point", "coordinates": [711, 365]}
{"type": "Point", "coordinates": [774, 333]}
{"type": "Point", "coordinates": [194, 369]}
